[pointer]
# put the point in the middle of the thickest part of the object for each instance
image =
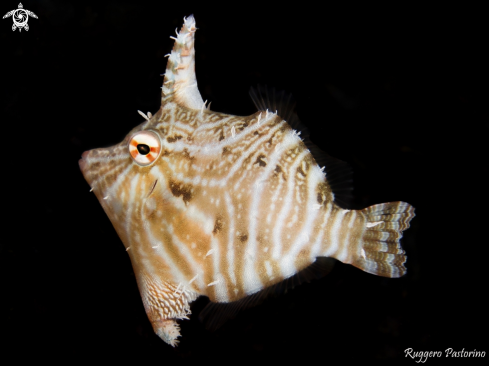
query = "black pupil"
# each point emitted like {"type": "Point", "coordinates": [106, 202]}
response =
{"type": "Point", "coordinates": [143, 149]}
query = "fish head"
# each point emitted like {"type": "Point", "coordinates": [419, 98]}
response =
{"type": "Point", "coordinates": [126, 176]}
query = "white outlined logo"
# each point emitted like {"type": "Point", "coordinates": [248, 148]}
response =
{"type": "Point", "coordinates": [20, 17]}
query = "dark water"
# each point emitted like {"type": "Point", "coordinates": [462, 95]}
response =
{"type": "Point", "coordinates": [400, 93]}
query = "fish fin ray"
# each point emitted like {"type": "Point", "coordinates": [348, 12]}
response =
{"type": "Point", "coordinates": [339, 174]}
{"type": "Point", "coordinates": [214, 315]}
{"type": "Point", "coordinates": [381, 252]}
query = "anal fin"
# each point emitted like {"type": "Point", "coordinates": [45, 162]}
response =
{"type": "Point", "coordinates": [214, 315]}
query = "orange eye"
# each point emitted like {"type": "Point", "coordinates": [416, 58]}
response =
{"type": "Point", "coordinates": [145, 147]}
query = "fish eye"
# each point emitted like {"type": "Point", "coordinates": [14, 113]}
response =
{"type": "Point", "coordinates": [144, 147]}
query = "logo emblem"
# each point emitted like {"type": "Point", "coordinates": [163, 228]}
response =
{"type": "Point", "coordinates": [20, 17]}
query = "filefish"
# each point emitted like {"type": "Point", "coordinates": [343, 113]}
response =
{"type": "Point", "coordinates": [228, 207]}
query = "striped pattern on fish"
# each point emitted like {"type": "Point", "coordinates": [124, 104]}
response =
{"type": "Point", "coordinates": [224, 206]}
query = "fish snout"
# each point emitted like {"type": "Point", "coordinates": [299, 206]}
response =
{"type": "Point", "coordinates": [83, 164]}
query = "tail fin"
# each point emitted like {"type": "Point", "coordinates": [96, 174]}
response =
{"type": "Point", "coordinates": [381, 253]}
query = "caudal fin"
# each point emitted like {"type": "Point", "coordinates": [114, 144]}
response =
{"type": "Point", "coordinates": [381, 253]}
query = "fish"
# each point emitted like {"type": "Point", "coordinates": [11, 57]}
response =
{"type": "Point", "coordinates": [231, 207]}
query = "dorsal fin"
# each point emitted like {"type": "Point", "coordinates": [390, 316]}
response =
{"type": "Point", "coordinates": [214, 315]}
{"type": "Point", "coordinates": [338, 173]}
{"type": "Point", "coordinates": [180, 83]}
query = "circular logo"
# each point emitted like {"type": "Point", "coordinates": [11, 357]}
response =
{"type": "Point", "coordinates": [20, 17]}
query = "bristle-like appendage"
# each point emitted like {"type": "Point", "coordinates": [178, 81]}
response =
{"type": "Point", "coordinates": [381, 253]}
{"type": "Point", "coordinates": [180, 82]}
{"type": "Point", "coordinates": [168, 330]}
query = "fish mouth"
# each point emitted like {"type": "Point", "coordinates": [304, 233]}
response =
{"type": "Point", "coordinates": [83, 164]}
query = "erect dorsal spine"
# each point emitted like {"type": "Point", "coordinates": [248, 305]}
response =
{"type": "Point", "coordinates": [180, 83]}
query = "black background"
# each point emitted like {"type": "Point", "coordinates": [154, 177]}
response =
{"type": "Point", "coordinates": [399, 92]}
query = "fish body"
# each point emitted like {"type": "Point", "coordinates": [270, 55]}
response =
{"type": "Point", "coordinates": [225, 206]}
